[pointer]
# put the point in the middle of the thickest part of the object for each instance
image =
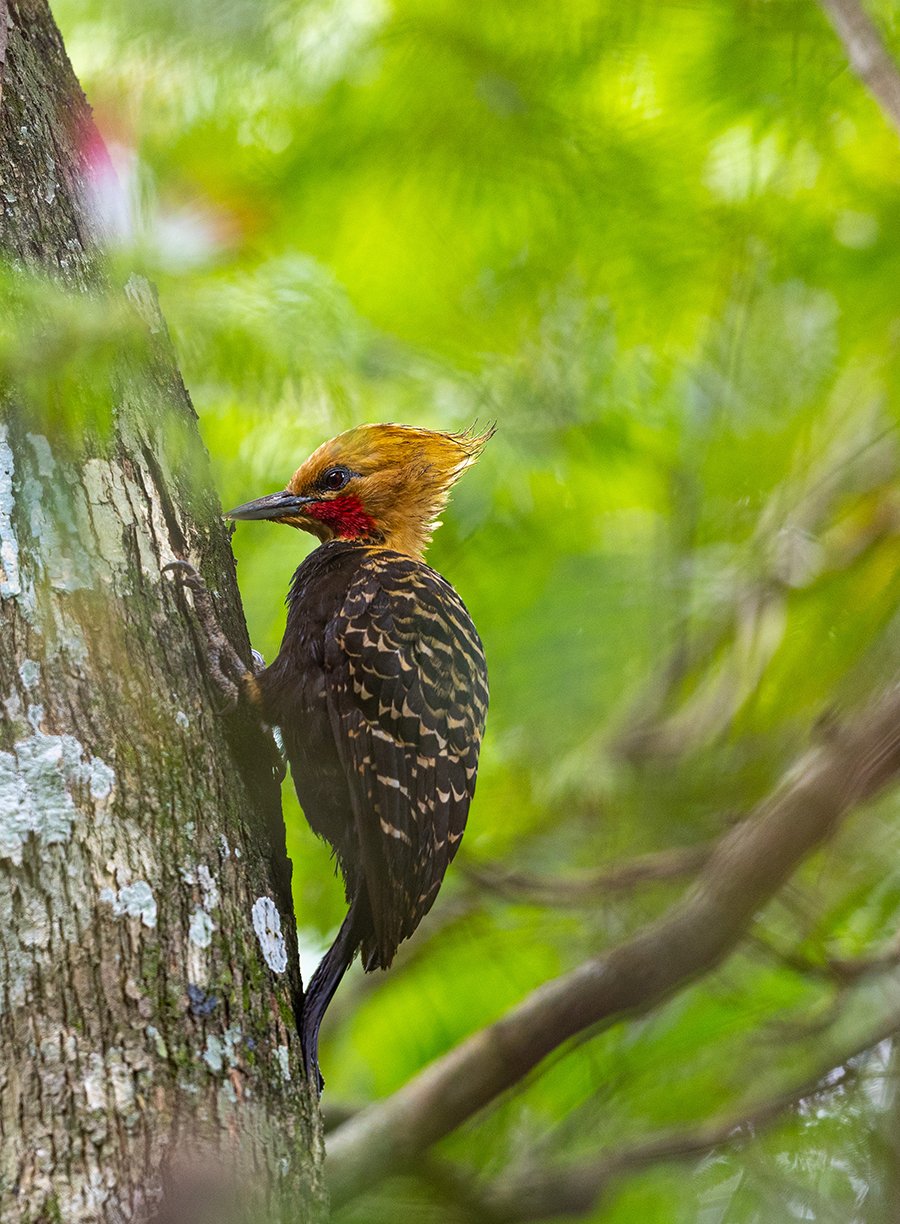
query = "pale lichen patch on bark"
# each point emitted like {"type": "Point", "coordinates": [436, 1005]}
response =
{"type": "Point", "coordinates": [10, 579]}
{"type": "Point", "coordinates": [282, 1055]}
{"type": "Point", "coordinates": [34, 928]}
{"type": "Point", "coordinates": [200, 930]}
{"type": "Point", "coordinates": [110, 515]}
{"type": "Point", "coordinates": [159, 1044]}
{"type": "Point", "coordinates": [267, 925]}
{"type": "Point", "coordinates": [208, 887]}
{"type": "Point", "coordinates": [134, 900]}
{"type": "Point", "coordinates": [102, 779]}
{"type": "Point", "coordinates": [201, 927]}
{"type": "Point", "coordinates": [29, 673]}
{"type": "Point", "coordinates": [222, 1053]}
{"type": "Point", "coordinates": [94, 1084]}
{"type": "Point", "coordinates": [37, 780]}
{"type": "Point", "coordinates": [126, 510]}
{"type": "Point", "coordinates": [86, 529]}
{"type": "Point", "coordinates": [56, 513]}
{"type": "Point", "coordinates": [53, 518]}
{"type": "Point", "coordinates": [160, 531]}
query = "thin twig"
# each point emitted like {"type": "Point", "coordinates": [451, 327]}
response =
{"type": "Point", "coordinates": [842, 970]}
{"type": "Point", "coordinates": [733, 648]}
{"type": "Point", "coordinates": [578, 890]}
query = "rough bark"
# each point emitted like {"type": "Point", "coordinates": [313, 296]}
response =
{"type": "Point", "coordinates": [148, 966]}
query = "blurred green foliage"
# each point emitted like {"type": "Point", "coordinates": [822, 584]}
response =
{"type": "Point", "coordinates": [659, 244]}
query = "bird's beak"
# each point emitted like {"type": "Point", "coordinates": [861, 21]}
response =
{"type": "Point", "coordinates": [276, 506]}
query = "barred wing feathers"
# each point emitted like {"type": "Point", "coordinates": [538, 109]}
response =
{"type": "Point", "coordinates": [406, 685]}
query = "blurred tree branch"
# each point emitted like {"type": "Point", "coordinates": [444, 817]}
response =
{"type": "Point", "coordinates": [797, 544]}
{"type": "Point", "coordinates": [535, 1193]}
{"type": "Point", "coordinates": [842, 970]}
{"type": "Point", "coordinates": [868, 56]}
{"type": "Point", "coordinates": [746, 869]}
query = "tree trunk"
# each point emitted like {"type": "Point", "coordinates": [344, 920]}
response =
{"type": "Point", "coordinates": [149, 982]}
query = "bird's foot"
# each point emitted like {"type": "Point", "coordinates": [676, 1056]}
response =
{"type": "Point", "coordinates": [226, 667]}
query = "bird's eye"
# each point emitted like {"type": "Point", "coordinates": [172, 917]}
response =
{"type": "Point", "coordinates": [334, 479]}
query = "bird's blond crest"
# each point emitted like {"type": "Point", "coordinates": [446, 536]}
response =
{"type": "Point", "coordinates": [400, 480]}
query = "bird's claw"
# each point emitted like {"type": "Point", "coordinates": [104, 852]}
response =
{"type": "Point", "coordinates": [223, 658]}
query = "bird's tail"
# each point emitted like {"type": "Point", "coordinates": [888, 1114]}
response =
{"type": "Point", "coordinates": [327, 977]}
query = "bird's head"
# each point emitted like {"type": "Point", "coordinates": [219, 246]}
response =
{"type": "Point", "coordinates": [380, 484]}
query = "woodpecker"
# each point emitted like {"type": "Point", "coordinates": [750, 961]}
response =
{"type": "Point", "coordinates": [379, 690]}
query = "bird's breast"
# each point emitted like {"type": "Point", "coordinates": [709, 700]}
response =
{"type": "Point", "coordinates": [294, 697]}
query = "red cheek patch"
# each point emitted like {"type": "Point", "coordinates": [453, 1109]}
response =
{"type": "Point", "coordinates": [345, 516]}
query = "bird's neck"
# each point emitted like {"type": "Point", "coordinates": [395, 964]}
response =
{"type": "Point", "coordinates": [347, 519]}
{"type": "Point", "coordinates": [343, 518]}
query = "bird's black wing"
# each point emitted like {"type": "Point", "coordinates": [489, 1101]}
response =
{"type": "Point", "coordinates": [406, 685]}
